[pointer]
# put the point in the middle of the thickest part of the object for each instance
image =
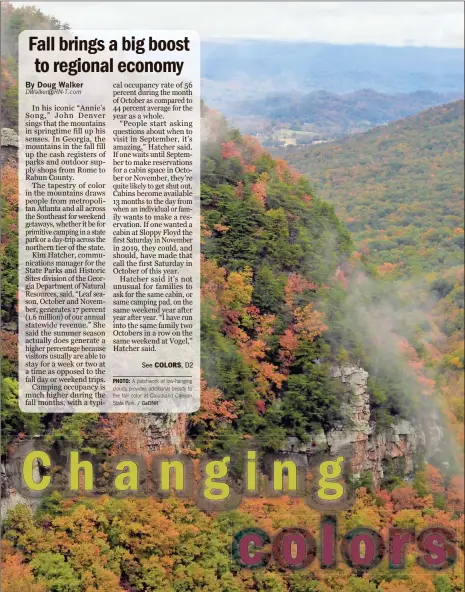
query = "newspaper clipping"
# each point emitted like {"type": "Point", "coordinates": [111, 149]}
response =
{"type": "Point", "coordinates": [109, 221]}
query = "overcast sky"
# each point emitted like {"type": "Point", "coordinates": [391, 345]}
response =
{"type": "Point", "coordinates": [438, 24]}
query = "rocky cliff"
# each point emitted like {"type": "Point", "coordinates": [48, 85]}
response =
{"type": "Point", "coordinates": [164, 430]}
{"type": "Point", "coordinates": [373, 448]}
{"type": "Point", "coordinates": [9, 147]}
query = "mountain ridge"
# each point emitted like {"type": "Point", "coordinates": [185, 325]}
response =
{"type": "Point", "coordinates": [322, 115]}
{"type": "Point", "coordinates": [397, 181]}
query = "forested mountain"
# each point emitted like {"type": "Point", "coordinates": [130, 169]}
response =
{"type": "Point", "coordinates": [286, 298]}
{"type": "Point", "coordinates": [322, 115]}
{"type": "Point", "coordinates": [399, 188]}
{"type": "Point", "coordinates": [276, 275]}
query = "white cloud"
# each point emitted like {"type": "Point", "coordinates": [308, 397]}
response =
{"type": "Point", "coordinates": [438, 24]}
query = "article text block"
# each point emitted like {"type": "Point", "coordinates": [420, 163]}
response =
{"type": "Point", "coordinates": [109, 221]}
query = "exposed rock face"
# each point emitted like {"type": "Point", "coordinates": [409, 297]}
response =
{"type": "Point", "coordinates": [9, 137]}
{"type": "Point", "coordinates": [371, 448]}
{"type": "Point", "coordinates": [162, 430]}
{"type": "Point", "coordinates": [10, 497]}
{"type": "Point", "coordinates": [9, 147]}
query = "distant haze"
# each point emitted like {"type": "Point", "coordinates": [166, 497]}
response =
{"type": "Point", "coordinates": [252, 69]}
{"type": "Point", "coordinates": [435, 24]}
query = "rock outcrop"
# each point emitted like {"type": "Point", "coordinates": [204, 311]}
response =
{"type": "Point", "coordinates": [372, 448]}
{"type": "Point", "coordinates": [10, 497]}
{"type": "Point", "coordinates": [164, 430]}
{"type": "Point", "coordinates": [9, 147]}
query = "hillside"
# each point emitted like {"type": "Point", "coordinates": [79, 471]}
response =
{"type": "Point", "coordinates": [304, 119]}
{"type": "Point", "coordinates": [399, 188]}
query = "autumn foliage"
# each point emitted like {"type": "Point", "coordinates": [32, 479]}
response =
{"type": "Point", "coordinates": [276, 266]}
